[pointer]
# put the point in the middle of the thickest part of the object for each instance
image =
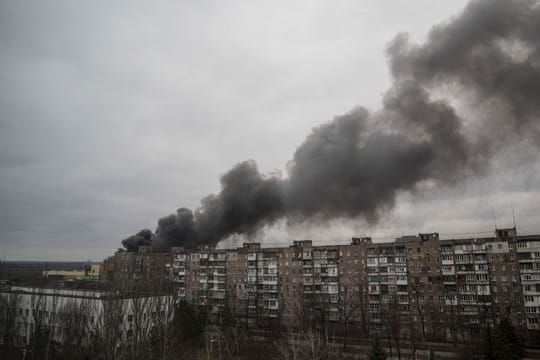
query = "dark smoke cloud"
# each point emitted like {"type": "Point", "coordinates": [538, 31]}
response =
{"type": "Point", "coordinates": [356, 164]}
{"type": "Point", "coordinates": [338, 171]}
{"type": "Point", "coordinates": [491, 50]}
{"type": "Point", "coordinates": [248, 199]}
{"type": "Point", "coordinates": [176, 226]}
{"type": "Point", "coordinates": [143, 237]}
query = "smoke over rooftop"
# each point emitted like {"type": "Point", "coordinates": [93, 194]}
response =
{"type": "Point", "coordinates": [469, 91]}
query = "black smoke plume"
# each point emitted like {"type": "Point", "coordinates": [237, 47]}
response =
{"type": "Point", "coordinates": [485, 63]}
{"type": "Point", "coordinates": [143, 237]}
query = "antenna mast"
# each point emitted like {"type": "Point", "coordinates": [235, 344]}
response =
{"type": "Point", "coordinates": [493, 214]}
{"type": "Point", "coordinates": [513, 214]}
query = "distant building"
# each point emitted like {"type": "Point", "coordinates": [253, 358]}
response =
{"type": "Point", "coordinates": [27, 307]}
{"type": "Point", "coordinates": [91, 272]}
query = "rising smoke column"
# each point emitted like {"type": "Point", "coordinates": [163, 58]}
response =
{"type": "Point", "coordinates": [142, 238]}
{"type": "Point", "coordinates": [492, 52]}
{"type": "Point", "coordinates": [356, 164]}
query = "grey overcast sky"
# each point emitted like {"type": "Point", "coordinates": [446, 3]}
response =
{"type": "Point", "coordinates": [113, 114]}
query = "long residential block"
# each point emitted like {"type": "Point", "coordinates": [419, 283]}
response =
{"type": "Point", "coordinates": [422, 285]}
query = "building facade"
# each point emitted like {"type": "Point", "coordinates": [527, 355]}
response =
{"type": "Point", "coordinates": [142, 270]}
{"type": "Point", "coordinates": [26, 311]}
{"type": "Point", "coordinates": [442, 288]}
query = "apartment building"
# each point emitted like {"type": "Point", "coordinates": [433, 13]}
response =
{"type": "Point", "coordinates": [200, 278]}
{"type": "Point", "coordinates": [261, 287]}
{"type": "Point", "coordinates": [422, 285]}
{"type": "Point", "coordinates": [291, 285]}
{"type": "Point", "coordinates": [387, 286]}
{"type": "Point", "coordinates": [236, 288]}
{"type": "Point", "coordinates": [320, 280]}
{"type": "Point", "coordinates": [143, 270]}
{"type": "Point", "coordinates": [353, 298]}
{"type": "Point", "coordinates": [528, 254]}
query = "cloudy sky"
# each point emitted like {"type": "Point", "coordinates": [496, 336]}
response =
{"type": "Point", "coordinates": [114, 114]}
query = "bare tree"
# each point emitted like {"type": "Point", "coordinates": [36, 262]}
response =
{"type": "Point", "coordinates": [107, 329]}
{"type": "Point", "coordinates": [392, 324]}
{"type": "Point", "coordinates": [415, 289]}
{"type": "Point", "coordinates": [164, 326]}
{"type": "Point", "coordinates": [9, 303]}
{"type": "Point", "coordinates": [74, 323]}
{"type": "Point", "coordinates": [349, 303]}
{"type": "Point", "coordinates": [363, 307]}
{"type": "Point", "coordinates": [308, 344]}
{"type": "Point", "coordinates": [44, 307]}
{"type": "Point", "coordinates": [139, 325]}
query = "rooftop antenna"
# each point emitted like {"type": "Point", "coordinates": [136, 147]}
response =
{"type": "Point", "coordinates": [513, 214]}
{"type": "Point", "coordinates": [493, 214]}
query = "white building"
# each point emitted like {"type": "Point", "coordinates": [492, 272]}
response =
{"type": "Point", "coordinates": [23, 309]}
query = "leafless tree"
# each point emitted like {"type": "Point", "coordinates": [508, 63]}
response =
{"type": "Point", "coordinates": [164, 307]}
{"type": "Point", "coordinates": [74, 323]}
{"type": "Point", "coordinates": [44, 307]}
{"type": "Point", "coordinates": [392, 324]}
{"type": "Point", "coordinates": [414, 300]}
{"type": "Point", "coordinates": [9, 303]}
{"type": "Point", "coordinates": [139, 325]}
{"type": "Point", "coordinates": [349, 303]}
{"type": "Point", "coordinates": [307, 344]}
{"type": "Point", "coordinates": [363, 307]}
{"type": "Point", "coordinates": [107, 330]}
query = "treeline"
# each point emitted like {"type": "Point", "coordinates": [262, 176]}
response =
{"type": "Point", "coordinates": [318, 340]}
{"type": "Point", "coordinates": [156, 328]}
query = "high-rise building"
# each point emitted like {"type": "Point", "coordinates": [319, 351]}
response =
{"type": "Point", "coordinates": [422, 285]}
